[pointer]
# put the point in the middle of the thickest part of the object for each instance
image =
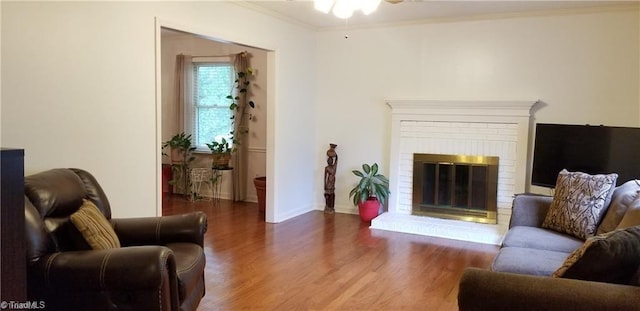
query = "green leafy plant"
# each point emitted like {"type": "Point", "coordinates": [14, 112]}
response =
{"type": "Point", "coordinates": [221, 152]}
{"type": "Point", "coordinates": [181, 142]}
{"type": "Point", "coordinates": [220, 147]}
{"type": "Point", "coordinates": [371, 184]}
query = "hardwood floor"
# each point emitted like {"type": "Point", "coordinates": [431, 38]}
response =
{"type": "Point", "coordinates": [318, 261]}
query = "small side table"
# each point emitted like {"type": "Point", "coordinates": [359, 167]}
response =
{"type": "Point", "coordinates": [180, 178]}
{"type": "Point", "coordinates": [217, 178]}
{"type": "Point", "coordinates": [198, 176]}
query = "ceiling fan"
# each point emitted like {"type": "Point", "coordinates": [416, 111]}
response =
{"type": "Point", "coordinates": [345, 8]}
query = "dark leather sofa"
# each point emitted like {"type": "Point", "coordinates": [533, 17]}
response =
{"type": "Point", "coordinates": [160, 265]}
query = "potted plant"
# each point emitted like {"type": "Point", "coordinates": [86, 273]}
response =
{"type": "Point", "coordinates": [371, 191]}
{"type": "Point", "coordinates": [181, 151]}
{"type": "Point", "coordinates": [220, 152]}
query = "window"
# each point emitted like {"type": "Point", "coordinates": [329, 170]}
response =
{"type": "Point", "coordinates": [209, 115]}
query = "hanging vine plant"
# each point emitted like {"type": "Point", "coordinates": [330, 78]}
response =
{"type": "Point", "coordinates": [240, 103]}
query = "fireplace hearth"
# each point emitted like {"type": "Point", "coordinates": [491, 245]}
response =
{"type": "Point", "coordinates": [457, 187]}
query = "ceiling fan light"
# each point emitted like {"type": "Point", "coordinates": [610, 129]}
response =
{"type": "Point", "coordinates": [343, 9]}
{"type": "Point", "coordinates": [369, 6]}
{"type": "Point", "coordinates": [323, 6]}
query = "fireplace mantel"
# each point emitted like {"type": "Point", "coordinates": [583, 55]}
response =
{"type": "Point", "coordinates": [461, 108]}
{"type": "Point", "coordinates": [456, 127]}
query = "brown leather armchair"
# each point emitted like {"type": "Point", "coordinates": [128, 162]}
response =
{"type": "Point", "coordinates": [160, 265]}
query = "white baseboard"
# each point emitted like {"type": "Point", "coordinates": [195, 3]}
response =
{"type": "Point", "coordinates": [293, 213]}
{"type": "Point", "coordinates": [343, 209]}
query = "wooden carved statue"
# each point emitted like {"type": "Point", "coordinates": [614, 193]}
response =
{"type": "Point", "coordinates": [330, 179]}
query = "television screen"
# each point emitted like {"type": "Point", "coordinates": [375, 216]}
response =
{"type": "Point", "coordinates": [584, 148]}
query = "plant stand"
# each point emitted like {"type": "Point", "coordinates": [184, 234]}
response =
{"type": "Point", "coordinates": [197, 177]}
{"type": "Point", "coordinates": [217, 178]}
{"type": "Point", "coordinates": [166, 177]}
{"type": "Point", "coordinates": [180, 179]}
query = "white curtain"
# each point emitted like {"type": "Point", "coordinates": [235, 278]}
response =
{"type": "Point", "coordinates": [184, 74]}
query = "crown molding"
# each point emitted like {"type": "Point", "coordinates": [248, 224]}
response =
{"type": "Point", "coordinates": [247, 5]}
{"type": "Point", "coordinates": [633, 5]}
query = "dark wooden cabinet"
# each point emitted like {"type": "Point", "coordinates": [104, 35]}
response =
{"type": "Point", "coordinates": [13, 264]}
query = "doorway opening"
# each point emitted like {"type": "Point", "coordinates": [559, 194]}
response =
{"type": "Point", "coordinates": [173, 42]}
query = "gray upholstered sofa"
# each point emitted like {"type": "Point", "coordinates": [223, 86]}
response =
{"type": "Point", "coordinates": [520, 277]}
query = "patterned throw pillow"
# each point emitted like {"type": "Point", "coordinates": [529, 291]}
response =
{"type": "Point", "coordinates": [612, 257]}
{"type": "Point", "coordinates": [95, 228]}
{"type": "Point", "coordinates": [579, 202]}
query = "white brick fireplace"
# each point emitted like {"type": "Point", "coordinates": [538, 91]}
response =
{"type": "Point", "coordinates": [481, 128]}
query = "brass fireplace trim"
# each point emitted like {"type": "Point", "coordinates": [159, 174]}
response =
{"type": "Point", "coordinates": [488, 216]}
{"type": "Point", "coordinates": [484, 217]}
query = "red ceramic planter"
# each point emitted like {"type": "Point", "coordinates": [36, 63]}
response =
{"type": "Point", "coordinates": [369, 209]}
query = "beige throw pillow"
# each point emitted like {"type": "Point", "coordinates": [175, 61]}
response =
{"type": "Point", "coordinates": [579, 203]}
{"type": "Point", "coordinates": [632, 215]}
{"type": "Point", "coordinates": [95, 228]}
{"type": "Point", "coordinates": [622, 198]}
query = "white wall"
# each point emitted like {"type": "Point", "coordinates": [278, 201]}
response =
{"type": "Point", "coordinates": [175, 43]}
{"type": "Point", "coordinates": [79, 90]}
{"type": "Point", "coordinates": [78, 86]}
{"type": "Point", "coordinates": [584, 68]}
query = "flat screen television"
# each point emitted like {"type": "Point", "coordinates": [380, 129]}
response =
{"type": "Point", "coordinates": [584, 148]}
